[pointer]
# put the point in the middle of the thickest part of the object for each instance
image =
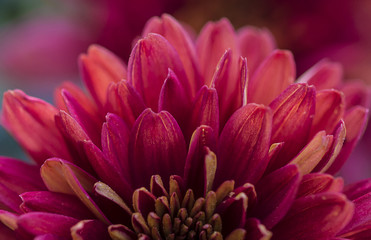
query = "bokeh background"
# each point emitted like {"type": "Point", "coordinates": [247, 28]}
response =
{"type": "Point", "coordinates": [40, 41]}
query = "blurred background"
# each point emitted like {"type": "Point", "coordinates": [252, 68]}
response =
{"type": "Point", "coordinates": [40, 40]}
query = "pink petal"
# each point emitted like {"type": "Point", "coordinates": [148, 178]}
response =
{"type": "Point", "coordinates": [255, 230]}
{"type": "Point", "coordinates": [90, 230]}
{"type": "Point", "coordinates": [64, 177]}
{"type": "Point", "coordinates": [143, 202]}
{"type": "Point", "coordinates": [120, 231]}
{"type": "Point", "coordinates": [318, 183]}
{"type": "Point", "coordinates": [53, 202]}
{"type": "Point", "coordinates": [330, 108]}
{"type": "Point", "coordinates": [173, 99]}
{"type": "Point", "coordinates": [6, 233]}
{"type": "Point", "coordinates": [205, 110]}
{"type": "Point", "coordinates": [42, 223]}
{"type": "Point", "coordinates": [313, 152]}
{"type": "Point", "coordinates": [355, 122]}
{"type": "Point", "coordinates": [277, 71]}
{"type": "Point", "coordinates": [358, 189]}
{"type": "Point", "coordinates": [361, 220]}
{"type": "Point", "coordinates": [276, 192]}
{"type": "Point", "coordinates": [195, 163]}
{"type": "Point", "coordinates": [9, 200]}
{"type": "Point", "coordinates": [319, 216]}
{"type": "Point", "coordinates": [214, 39]}
{"type": "Point", "coordinates": [99, 68]}
{"type": "Point", "coordinates": [156, 146]}
{"type": "Point", "coordinates": [148, 67]}
{"type": "Point", "coordinates": [48, 236]}
{"type": "Point", "coordinates": [255, 44]}
{"type": "Point", "coordinates": [23, 116]}
{"type": "Point", "coordinates": [292, 119]}
{"type": "Point", "coordinates": [125, 101]}
{"type": "Point", "coordinates": [324, 75]}
{"type": "Point", "coordinates": [168, 27]}
{"type": "Point", "coordinates": [333, 152]}
{"type": "Point", "coordinates": [356, 93]}
{"type": "Point", "coordinates": [9, 219]}
{"type": "Point", "coordinates": [243, 145]}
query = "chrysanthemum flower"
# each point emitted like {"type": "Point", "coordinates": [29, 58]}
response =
{"type": "Point", "coordinates": [194, 139]}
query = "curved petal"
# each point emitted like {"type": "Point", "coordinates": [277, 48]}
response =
{"type": "Point", "coordinates": [255, 44]}
{"type": "Point", "coordinates": [324, 75]}
{"type": "Point", "coordinates": [148, 67]}
{"type": "Point", "coordinates": [168, 27]}
{"type": "Point", "coordinates": [23, 116]}
{"type": "Point", "coordinates": [64, 177]}
{"type": "Point", "coordinates": [319, 216]}
{"type": "Point", "coordinates": [317, 183]}
{"type": "Point", "coordinates": [243, 145]}
{"type": "Point", "coordinates": [89, 230]}
{"type": "Point", "coordinates": [277, 71]}
{"type": "Point", "coordinates": [293, 113]}
{"type": "Point", "coordinates": [99, 67]}
{"type": "Point", "coordinates": [156, 146]}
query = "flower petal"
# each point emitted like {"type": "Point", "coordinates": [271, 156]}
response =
{"type": "Point", "coordinates": [89, 230]}
{"type": "Point", "coordinates": [277, 71]}
{"type": "Point", "coordinates": [168, 27]}
{"type": "Point", "coordinates": [173, 99]}
{"type": "Point", "coordinates": [317, 183]}
{"type": "Point", "coordinates": [148, 67]}
{"type": "Point", "coordinates": [319, 216]}
{"type": "Point", "coordinates": [313, 152]}
{"type": "Point", "coordinates": [355, 122]}
{"type": "Point", "coordinates": [330, 108]}
{"type": "Point", "coordinates": [53, 202]}
{"type": "Point", "coordinates": [38, 223]}
{"type": "Point", "coordinates": [324, 75]}
{"type": "Point", "coordinates": [194, 169]}
{"type": "Point", "coordinates": [293, 112]}
{"type": "Point", "coordinates": [358, 189]}
{"type": "Point", "coordinates": [156, 146]}
{"type": "Point", "coordinates": [256, 231]}
{"type": "Point", "coordinates": [205, 110]}
{"type": "Point", "coordinates": [255, 44]}
{"type": "Point", "coordinates": [64, 177]}
{"type": "Point", "coordinates": [23, 116]}
{"type": "Point", "coordinates": [243, 145]}
{"type": "Point", "coordinates": [213, 41]}
{"type": "Point", "coordinates": [276, 192]}
{"type": "Point", "coordinates": [125, 101]}
{"type": "Point", "coordinates": [356, 93]}
{"type": "Point", "coordinates": [99, 68]}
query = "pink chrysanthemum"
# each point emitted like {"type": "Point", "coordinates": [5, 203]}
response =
{"type": "Point", "coordinates": [194, 139]}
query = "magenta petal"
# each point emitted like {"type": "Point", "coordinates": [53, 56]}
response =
{"type": "Point", "coordinates": [6, 233]}
{"type": "Point", "coordinates": [276, 192]}
{"type": "Point", "coordinates": [330, 108]}
{"type": "Point", "coordinates": [90, 230]}
{"type": "Point", "coordinates": [213, 41]}
{"type": "Point", "coordinates": [64, 177]}
{"type": "Point", "coordinates": [23, 116]}
{"type": "Point", "coordinates": [317, 183]}
{"type": "Point", "coordinates": [255, 44]}
{"type": "Point", "coordinates": [358, 189]}
{"type": "Point", "coordinates": [319, 216]}
{"type": "Point", "coordinates": [42, 223]}
{"type": "Point", "coordinates": [52, 202]}
{"type": "Point", "coordinates": [355, 122]}
{"type": "Point", "coordinates": [99, 68]}
{"type": "Point", "coordinates": [243, 145]}
{"type": "Point", "coordinates": [255, 230]}
{"type": "Point", "coordinates": [143, 202]}
{"type": "Point", "coordinates": [156, 146]}
{"type": "Point", "coordinates": [168, 27]}
{"type": "Point", "coordinates": [356, 93]}
{"type": "Point", "coordinates": [323, 75]}
{"type": "Point", "coordinates": [194, 169]}
{"type": "Point", "coordinates": [205, 110]}
{"type": "Point", "coordinates": [148, 67]}
{"type": "Point", "coordinates": [277, 72]}
{"type": "Point", "coordinates": [173, 99]}
{"type": "Point", "coordinates": [361, 220]}
{"type": "Point", "coordinates": [9, 200]}
{"type": "Point", "coordinates": [90, 121]}
{"type": "Point", "coordinates": [293, 112]}
{"type": "Point", "coordinates": [233, 213]}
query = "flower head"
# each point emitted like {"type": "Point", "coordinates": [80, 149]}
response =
{"type": "Point", "coordinates": [194, 139]}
